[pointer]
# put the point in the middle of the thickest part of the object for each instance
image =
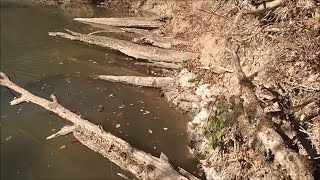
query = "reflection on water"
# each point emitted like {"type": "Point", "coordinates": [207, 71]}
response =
{"type": "Point", "coordinates": [45, 65]}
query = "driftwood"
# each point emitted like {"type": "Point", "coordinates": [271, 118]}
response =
{"type": "Point", "coordinates": [157, 82]}
{"type": "Point", "coordinates": [143, 36]}
{"type": "Point", "coordinates": [139, 163]}
{"type": "Point", "coordinates": [132, 22]}
{"type": "Point", "coordinates": [295, 164]}
{"type": "Point", "coordinates": [129, 48]}
{"type": "Point", "coordinates": [161, 65]}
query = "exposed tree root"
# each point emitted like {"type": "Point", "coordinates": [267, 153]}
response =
{"type": "Point", "coordinates": [129, 48]}
{"type": "Point", "coordinates": [139, 163]}
{"type": "Point", "coordinates": [134, 22]}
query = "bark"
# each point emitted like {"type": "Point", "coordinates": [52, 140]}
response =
{"type": "Point", "coordinates": [132, 22]}
{"type": "Point", "coordinates": [129, 48]}
{"type": "Point", "coordinates": [157, 82]}
{"type": "Point", "coordinates": [161, 65]}
{"type": "Point", "coordinates": [139, 163]}
{"type": "Point", "coordinates": [296, 165]}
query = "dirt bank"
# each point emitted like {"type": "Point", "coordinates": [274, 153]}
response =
{"type": "Point", "coordinates": [254, 91]}
{"type": "Point", "coordinates": [279, 53]}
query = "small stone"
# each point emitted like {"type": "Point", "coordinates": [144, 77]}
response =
{"type": "Point", "coordinates": [62, 147]}
{"type": "Point", "coordinates": [165, 129]}
{"type": "Point", "coordinates": [118, 125]}
{"type": "Point", "coordinates": [150, 131]}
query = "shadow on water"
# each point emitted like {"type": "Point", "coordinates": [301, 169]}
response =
{"type": "Point", "coordinates": [45, 65]}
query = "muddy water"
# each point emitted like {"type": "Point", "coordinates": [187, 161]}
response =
{"type": "Point", "coordinates": [45, 65]}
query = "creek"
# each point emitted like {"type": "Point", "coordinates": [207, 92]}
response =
{"type": "Point", "coordinates": [46, 65]}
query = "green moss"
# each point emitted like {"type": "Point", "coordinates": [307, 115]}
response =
{"type": "Point", "coordinates": [216, 125]}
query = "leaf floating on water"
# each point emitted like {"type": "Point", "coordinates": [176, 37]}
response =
{"type": "Point", "coordinates": [150, 131]}
{"type": "Point", "coordinates": [100, 108]}
{"type": "Point", "coordinates": [120, 115]}
{"type": "Point", "coordinates": [146, 112]}
{"type": "Point", "coordinates": [8, 138]}
{"type": "Point", "coordinates": [118, 125]}
{"type": "Point", "coordinates": [62, 147]}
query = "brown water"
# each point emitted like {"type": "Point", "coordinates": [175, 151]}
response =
{"type": "Point", "coordinates": [45, 65]}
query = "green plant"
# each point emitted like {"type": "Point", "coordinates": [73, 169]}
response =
{"type": "Point", "coordinates": [216, 125]}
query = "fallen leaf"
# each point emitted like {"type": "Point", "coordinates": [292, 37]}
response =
{"type": "Point", "coordinates": [8, 138]}
{"type": "Point", "coordinates": [62, 147]}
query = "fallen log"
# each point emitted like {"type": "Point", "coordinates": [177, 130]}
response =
{"type": "Point", "coordinates": [129, 48]}
{"type": "Point", "coordinates": [132, 22]}
{"type": "Point", "coordinates": [161, 65]}
{"type": "Point", "coordinates": [157, 82]}
{"type": "Point", "coordinates": [295, 164]}
{"type": "Point", "coordinates": [137, 162]}
{"type": "Point", "coordinates": [143, 36]}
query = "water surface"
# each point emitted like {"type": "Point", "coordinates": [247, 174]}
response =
{"type": "Point", "coordinates": [46, 65]}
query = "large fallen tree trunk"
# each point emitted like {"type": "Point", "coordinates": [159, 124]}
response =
{"type": "Point", "coordinates": [129, 48]}
{"type": "Point", "coordinates": [132, 22]}
{"type": "Point", "coordinates": [139, 163]}
{"type": "Point", "coordinates": [157, 82]}
{"type": "Point", "coordinates": [296, 165]}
